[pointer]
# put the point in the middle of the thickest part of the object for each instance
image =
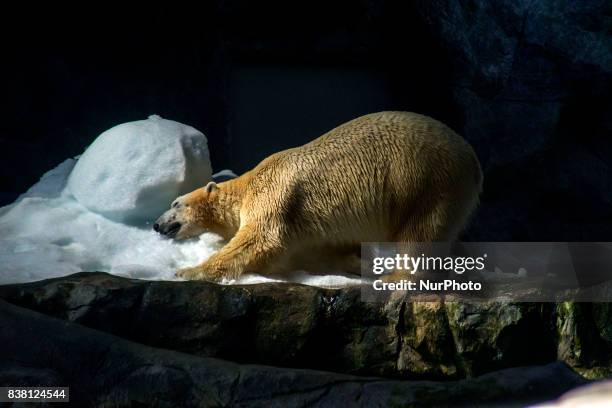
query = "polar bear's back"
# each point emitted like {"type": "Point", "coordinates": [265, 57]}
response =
{"type": "Point", "coordinates": [366, 178]}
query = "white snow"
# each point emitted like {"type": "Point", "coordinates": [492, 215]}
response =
{"type": "Point", "coordinates": [49, 233]}
{"type": "Point", "coordinates": [133, 171]}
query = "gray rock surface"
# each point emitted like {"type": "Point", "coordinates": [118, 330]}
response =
{"type": "Point", "coordinates": [104, 370]}
{"type": "Point", "coordinates": [293, 325]}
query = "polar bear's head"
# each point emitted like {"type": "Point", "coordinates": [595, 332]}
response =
{"type": "Point", "coordinates": [192, 214]}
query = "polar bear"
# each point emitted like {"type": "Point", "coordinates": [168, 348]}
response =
{"type": "Point", "coordinates": [387, 176]}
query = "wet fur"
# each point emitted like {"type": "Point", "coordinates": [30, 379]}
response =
{"type": "Point", "coordinates": [388, 176]}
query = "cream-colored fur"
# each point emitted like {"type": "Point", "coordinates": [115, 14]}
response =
{"type": "Point", "coordinates": [388, 176]}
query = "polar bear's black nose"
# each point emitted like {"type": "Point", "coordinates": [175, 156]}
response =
{"type": "Point", "coordinates": [156, 227]}
{"type": "Point", "coordinates": [169, 230]}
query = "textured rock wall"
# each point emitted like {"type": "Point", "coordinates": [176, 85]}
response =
{"type": "Point", "coordinates": [293, 325]}
{"type": "Point", "coordinates": [104, 370]}
{"type": "Point", "coordinates": [532, 80]}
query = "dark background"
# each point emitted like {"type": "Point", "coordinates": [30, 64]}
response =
{"type": "Point", "coordinates": [527, 83]}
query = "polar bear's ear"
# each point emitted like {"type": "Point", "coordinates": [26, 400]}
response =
{"type": "Point", "coordinates": [210, 187]}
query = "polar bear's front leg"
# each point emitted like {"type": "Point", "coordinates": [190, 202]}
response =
{"type": "Point", "coordinates": [248, 250]}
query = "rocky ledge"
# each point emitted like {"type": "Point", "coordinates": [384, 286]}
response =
{"type": "Point", "coordinates": [104, 370]}
{"type": "Point", "coordinates": [292, 325]}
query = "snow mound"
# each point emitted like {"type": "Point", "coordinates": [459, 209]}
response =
{"type": "Point", "coordinates": [47, 234]}
{"type": "Point", "coordinates": [133, 171]}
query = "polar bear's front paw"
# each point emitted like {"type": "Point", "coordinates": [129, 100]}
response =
{"type": "Point", "coordinates": [192, 273]}
{"type": "Point", "coordinates": [203, 272]}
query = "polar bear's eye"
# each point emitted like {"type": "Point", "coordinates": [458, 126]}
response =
{"type": "Point", "coordinates": [175, 204]}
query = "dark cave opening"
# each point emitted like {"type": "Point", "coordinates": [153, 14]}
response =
{"type": "Point", "coordinates": [253, 82]}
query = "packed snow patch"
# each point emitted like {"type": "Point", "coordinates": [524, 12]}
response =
{"type": "Point", "coordinates": [133, 171]}
{"type": "Point", "coordinates": [94, 213]}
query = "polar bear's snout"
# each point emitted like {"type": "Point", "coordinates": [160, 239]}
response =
{"type": "Point", "coordinates": [167, 224]}
{"type": "Point", "coordinates": [178, 221]}
{"type": "Point", "coordinates": [168, 230]}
